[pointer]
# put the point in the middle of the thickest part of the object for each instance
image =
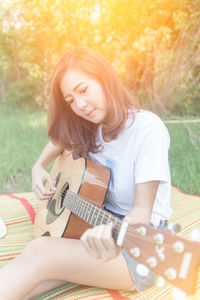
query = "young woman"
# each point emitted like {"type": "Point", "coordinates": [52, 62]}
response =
{"type": "Point", "coordinates": [93, 115]}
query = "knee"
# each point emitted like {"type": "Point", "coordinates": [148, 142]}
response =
{"type": "Point", "coordinates": [36, 249]}
{"type": "Point", "coordinates": [33, 259]}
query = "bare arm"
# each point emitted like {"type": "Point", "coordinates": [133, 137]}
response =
{"type": "Point", "coordinates": [49, 153]}
{"type": "Point", "coordinates": [145, 195]}
{"type": "Point", "coordinates": [40, 175]}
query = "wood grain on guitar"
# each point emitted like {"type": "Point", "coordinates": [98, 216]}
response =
{"type": "Point", "coordinates": [77, 205]}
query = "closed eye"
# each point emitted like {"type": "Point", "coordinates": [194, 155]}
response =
{"type": "Point", "coordinates": [69, 99]}
{"type": "Point", "coordinates": [83, 89]}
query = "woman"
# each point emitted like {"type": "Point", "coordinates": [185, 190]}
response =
{"type": "Point", "coordinates": [92, 114]}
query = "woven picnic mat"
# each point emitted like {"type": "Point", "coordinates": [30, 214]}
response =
{"type": "Point", "coordinates": [18, 213]}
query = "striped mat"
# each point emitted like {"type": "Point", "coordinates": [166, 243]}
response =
{"type": "Point", "coordinates": [18, 212]}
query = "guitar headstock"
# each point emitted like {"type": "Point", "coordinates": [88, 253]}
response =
{"type": "Point", "coordinates": [172, 257]}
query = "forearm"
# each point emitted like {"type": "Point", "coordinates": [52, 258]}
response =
{"type": "Point", "coordinates": [138, 215]}
{"type": "Point", "coordinates": [141, 211]}
{"type": "Point", "coordinates": [49, 153]}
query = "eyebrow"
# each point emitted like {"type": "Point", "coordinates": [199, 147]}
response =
{"type": "Point", "coordinates": [75, 88]}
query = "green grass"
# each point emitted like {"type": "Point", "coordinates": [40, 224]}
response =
{"type": "Point", "coordinates": [23, 136]}
{"type": "Point", "coordinates": [184, 156]}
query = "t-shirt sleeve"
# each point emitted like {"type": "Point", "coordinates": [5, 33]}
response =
{"type": "Point", "coordinates": [151, 162]}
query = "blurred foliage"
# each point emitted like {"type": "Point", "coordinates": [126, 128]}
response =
{"type": "Point", "coordinates": [153, 44]}
{"type": "Point", "coordinates": [22, 92]}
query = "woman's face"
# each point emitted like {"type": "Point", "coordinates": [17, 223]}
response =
{"type": "Point", "coordinates": [84, 95]}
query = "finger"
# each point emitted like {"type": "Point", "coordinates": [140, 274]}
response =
{"type": "Point", "coordinates": [39, 187]}
{"type": "Point", "coordinates": [50, 181]}
{"type": "Point", "coordinates": [107, 236]}
{"type": "Point", "coordinates": [86, 242]}
{"type": "Point", "coordinates": [41, 192]}
{"type": "Point", "coordinates": [112, 249]}
{"type": "Point", "coordinates": [97, 242]}
{"type": "Point", "coordinates": [94, 243]}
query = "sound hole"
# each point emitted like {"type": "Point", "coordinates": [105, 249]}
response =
{"type": "Point", "coordinates": [63, 193]}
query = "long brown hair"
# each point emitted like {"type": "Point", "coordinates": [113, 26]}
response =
{"type": "Point", "coordinates": [73, 132]}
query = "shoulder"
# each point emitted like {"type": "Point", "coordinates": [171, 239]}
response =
{"type": "Point", "coordinates": [147, 121]}
{"type": "Point", "coordinates": [145, 118]}
{"type": "Point", "coordinates": [146, 125]}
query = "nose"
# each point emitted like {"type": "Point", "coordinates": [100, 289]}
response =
{"type": "Point", "coordinates": [81, 103]}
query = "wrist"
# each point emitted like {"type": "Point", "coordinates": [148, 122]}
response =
{"type": "Point", "coordinates": [37, 165]}
{"type": "Point", "coordinates": [138, 215]}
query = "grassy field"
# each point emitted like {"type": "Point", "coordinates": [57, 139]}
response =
{"type": "Point", "coordinates": [23, 136]}
{"type": "Point", "coordinates": [184, 156]}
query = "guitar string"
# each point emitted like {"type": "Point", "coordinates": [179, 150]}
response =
{"type": "Point", "coordinates": [59, 191]}
{"type": "Point", "coordinates": [102, 214]}
{"type": "Point", "coordinates": [117, 226]}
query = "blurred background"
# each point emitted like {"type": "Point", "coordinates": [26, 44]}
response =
{"type": "Point", "coordinates": [154, 45]}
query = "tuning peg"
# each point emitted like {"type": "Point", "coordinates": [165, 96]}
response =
{"type": "Point", "coordinates": [142, 270]}
{"type": "Point", "coordinates": [135, 251]}
{"type": "Point", "coordinates": [179, 246]}
{"type": "Point", "coordinates": [174, 227]}
{"type": "Point", "coordinates": [160, 281]}
{"type": "Point", "coordinates": [195, 235]}
{"type": "Point", "coordinates": [171, 273]}
{"type": "Point", "coordinates": [152, 262]}
{"type": "Point", "coordinates": [141, 230]}
{"type": "Point", "coordinates": [178, 294]}
{"type": "Point", "coordinates": [3, 229]}
{"type": "Point", "coordinates": [159, 238]}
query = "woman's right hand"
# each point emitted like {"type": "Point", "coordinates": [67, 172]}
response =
{"type": "Point", "coordinates": [39, 177]}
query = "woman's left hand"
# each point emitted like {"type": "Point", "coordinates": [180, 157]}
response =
{"type": "Point", "coordinates": [99, 243]}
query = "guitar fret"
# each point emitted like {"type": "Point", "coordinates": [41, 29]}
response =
{"type": "Point", "coordinates": [91, 213]}
{"type": "Point", "coordinates": [79, 206]}
{"type": "Point", "coordinates": [104, 219]}
{"type": "Point", "coordinates": [94, 218]}
{"type": "Point", "coordinates": [75, 205]}
{"type": "Point", "coordinates": [82, 210]}
{"type": "Point", "coordinates": [85, 204]}
{"type": "Point", "coordinates": [88, 212]}
{"type": "Point", "coordinates": [85, 210]}
{"type": "Point", "coordinates": [99, 217]}
{"type": "Point", "coordinates": [108, 217]}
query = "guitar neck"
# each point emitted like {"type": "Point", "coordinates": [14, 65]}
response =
{"type": "Point", "coordinates": [90, 212]}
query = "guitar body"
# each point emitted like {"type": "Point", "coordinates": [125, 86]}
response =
{"type": "Point", "coordinates": [81, 176]}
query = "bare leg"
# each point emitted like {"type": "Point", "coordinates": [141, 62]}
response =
{"type": "Point", "coordinates": [47, 259]}
{"type": "Point", "coordinates": [44, 287]}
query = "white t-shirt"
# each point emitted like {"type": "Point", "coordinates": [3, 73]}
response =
{"type": "Point", "coordinates": [139, 154]}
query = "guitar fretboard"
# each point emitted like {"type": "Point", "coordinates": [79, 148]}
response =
{"type": "Point", "coordinates": [90, 212]}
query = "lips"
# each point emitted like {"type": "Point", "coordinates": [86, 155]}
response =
{"type": "Point", "coordinates": [90, 112]}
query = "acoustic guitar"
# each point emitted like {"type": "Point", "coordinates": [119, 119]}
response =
{"type": "Point", "coordinates": [78, 204]}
